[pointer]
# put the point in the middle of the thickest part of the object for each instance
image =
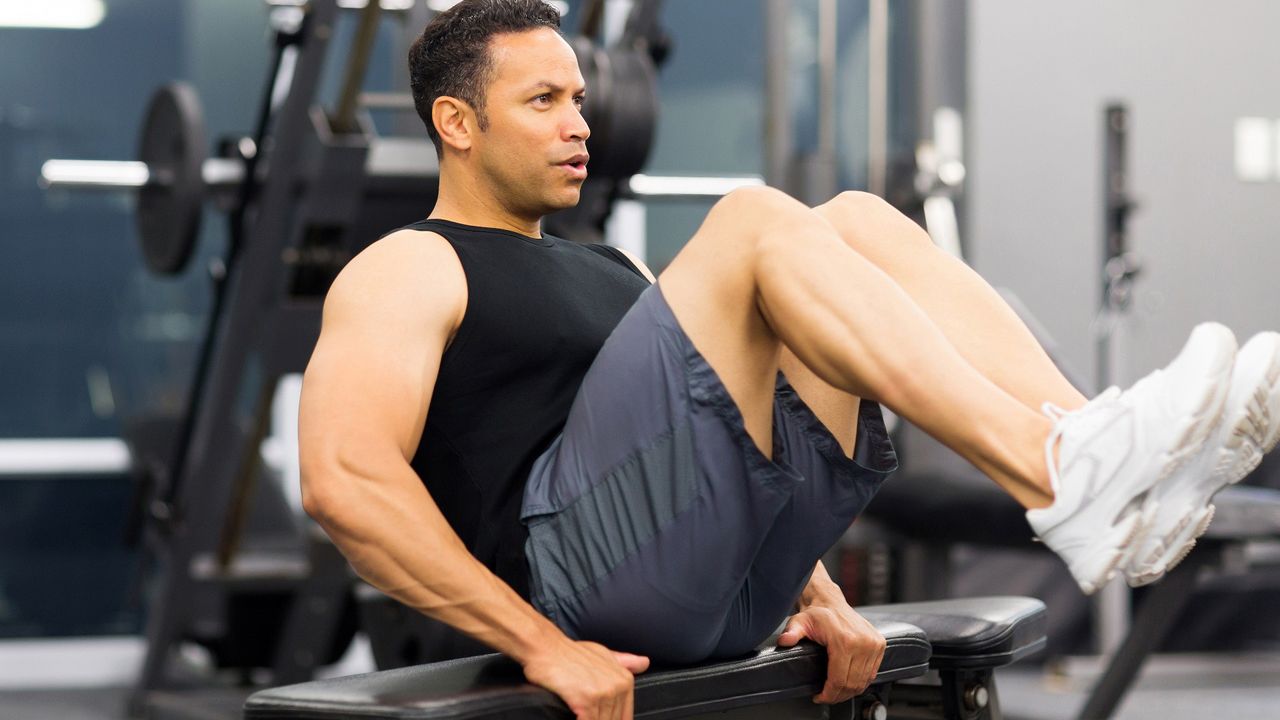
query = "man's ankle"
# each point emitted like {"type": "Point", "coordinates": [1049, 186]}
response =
{"type": "Point", "coordinates": [1039, 487]}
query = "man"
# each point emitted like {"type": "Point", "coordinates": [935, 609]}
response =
{"type": "Point", "coordinates": [474, 444]}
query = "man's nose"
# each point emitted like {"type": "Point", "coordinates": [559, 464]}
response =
{"type": "Point", "coordinates": [576, 128]}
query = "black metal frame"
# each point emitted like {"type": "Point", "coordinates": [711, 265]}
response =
{"type": "Point", "coordinates": [952, 697]}
{"type": "Point", "coordinates": [259, 331]}
{"type": "Point", "coordinates": [1161, 607]}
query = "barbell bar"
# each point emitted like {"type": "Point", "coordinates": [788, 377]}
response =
{"type": "Point", "coordinates": [174, 176]}
{"type": "Point", "coordinates": [114, 175]}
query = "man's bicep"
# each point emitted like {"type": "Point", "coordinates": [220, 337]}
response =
{"type": "Point", "coordinates": [364, 391]}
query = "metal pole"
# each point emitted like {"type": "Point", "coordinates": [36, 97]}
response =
{"type": "Point", "coordinates": [1111, 607]}
{"type": "Point", "coordinates": [824, 183]}
{"type": "Point", "coordinates": [344, 118]}
{"type": "Point", "coordinates": [777, 121]}
{"type": "Point", "coordinates": [877, 95]}
{"type": "Point", "coordinates": [1162, 606]}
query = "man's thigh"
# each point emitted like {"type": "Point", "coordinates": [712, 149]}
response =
{"type": "Point", "coordinates": [712, 291]}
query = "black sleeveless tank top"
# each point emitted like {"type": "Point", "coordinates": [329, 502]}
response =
{"type": "Point", "coordinates": [538, 311]}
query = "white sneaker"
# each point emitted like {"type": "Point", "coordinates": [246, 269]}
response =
{"type": "Point", "coordinates": [1113, 450]}
{"type": "Point", "coordinates": [1249, 429]}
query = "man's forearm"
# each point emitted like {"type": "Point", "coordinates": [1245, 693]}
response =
{"type": "Point", "coordinates": [396, 539]}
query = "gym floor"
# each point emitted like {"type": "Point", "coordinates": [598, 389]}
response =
{"type": "Point", "coordinates": [1241, 687]}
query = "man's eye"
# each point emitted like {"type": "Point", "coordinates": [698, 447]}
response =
{"type": "Point", "coordinates": [543, 98]}
{"type": "Point", "coordinates": [580, 100]}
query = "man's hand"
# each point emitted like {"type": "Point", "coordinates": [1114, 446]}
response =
{"type": "Point", "coordinates": [594, 681]}
{"type": "Point", "coordinates": [854, 647]}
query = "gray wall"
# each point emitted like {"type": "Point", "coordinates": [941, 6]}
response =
{"type": "Point", "coordinates": [1039, 76]}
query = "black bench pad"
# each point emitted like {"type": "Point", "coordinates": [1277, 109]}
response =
{"type": "Point", "coordinates": [982, 632]}
{"type": "Point", "coordinates": [493, 686]}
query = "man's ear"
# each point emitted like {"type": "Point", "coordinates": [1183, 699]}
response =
{"type": "Point", "coordinates": [454, 120]}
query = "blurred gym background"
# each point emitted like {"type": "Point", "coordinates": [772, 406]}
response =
{"type": "Point", "coordinates": [988, 121]}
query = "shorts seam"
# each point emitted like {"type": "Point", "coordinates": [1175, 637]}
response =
{"type": "Point", "coordinates": [534, 518]}
{"type": "Point", "coordinates": [576, 593]}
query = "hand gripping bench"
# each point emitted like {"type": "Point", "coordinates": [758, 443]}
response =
{"type": "Point", "coordinates": [968, 638]}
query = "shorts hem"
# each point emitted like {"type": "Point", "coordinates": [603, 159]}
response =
{"type": "Point", "coordinates": [873, 451]}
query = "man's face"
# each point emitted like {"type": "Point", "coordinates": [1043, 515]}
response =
{"type": "Point", "coordinates": [534, 151]}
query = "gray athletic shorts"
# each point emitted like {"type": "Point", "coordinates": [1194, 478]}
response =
{"type": "Point", "coordinates": [656, 525]}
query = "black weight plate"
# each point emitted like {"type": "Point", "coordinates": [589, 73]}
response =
{"type": "Point", "coordinates": [632, 113]}
{"type": "Point", "coordinates": [169, 206]}
{"type": "Point", "coordinates": [621, 107]}
{"type": "Point", "coordinates": [587, 52]}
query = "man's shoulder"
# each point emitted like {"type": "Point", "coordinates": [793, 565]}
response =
{"type": "Point", "coordinates": [406, 254]}
{"type": "Point", "coordinates": [409, 241]}
{"type": "Point", "coordinates": [413, 268]}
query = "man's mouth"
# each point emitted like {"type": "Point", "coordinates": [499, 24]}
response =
{"type": "Point", "coordinates": [576, 164]}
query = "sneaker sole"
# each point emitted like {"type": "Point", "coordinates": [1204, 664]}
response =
{"type": "Point", "coordinates": [1105, 556]}
{"type": "Point", "coordinates": [1255, 432]}
{"type": "Point", "coordinates": [1198, 426]}
{"type": "Point", "coordinates": [1188, 531]}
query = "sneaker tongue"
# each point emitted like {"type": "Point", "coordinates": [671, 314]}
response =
{"type": "Point", "coordinates": [1083, 423]}
{"type": "Point", "coordinates": [1073, 427]}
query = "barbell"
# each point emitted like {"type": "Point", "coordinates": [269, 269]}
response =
{"type": "Point", "coordinates": [172, 176]}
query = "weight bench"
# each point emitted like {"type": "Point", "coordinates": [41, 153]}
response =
{"type": "Point", "coordinates": [1245, 515]}
{"type": "Point", "coordinates": [962, 640]}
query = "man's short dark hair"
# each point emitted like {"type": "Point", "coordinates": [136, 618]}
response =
{"type": "Point", "coordinates": [451, 57]}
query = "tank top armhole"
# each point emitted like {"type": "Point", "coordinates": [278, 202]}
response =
{"type": "Point", "coordinates": [617, 256]}
{"type": "Point", "coordinates": [464, 331]}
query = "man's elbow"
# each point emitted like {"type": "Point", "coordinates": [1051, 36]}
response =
{"type": "Point", "coordinates": [322, 490]}
{"type": "Point", "coordinates": [346, 488]}
{"type": "Point", "coordinates": [313, 506]}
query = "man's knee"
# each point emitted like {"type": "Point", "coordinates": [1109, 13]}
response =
{"type": "Point", "coordinates": [867, 222]}
{"type": "Point", "coordinates": [762, 219]}
{"type": "Point", "coordinates": [750, 208]}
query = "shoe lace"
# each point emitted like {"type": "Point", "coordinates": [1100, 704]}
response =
{"type": "Point", "coordinates": [1075, 420]}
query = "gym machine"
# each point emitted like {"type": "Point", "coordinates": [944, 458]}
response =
{"type": "Point", "coordinates": [304, 193]}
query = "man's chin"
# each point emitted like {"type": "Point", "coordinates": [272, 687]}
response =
{"type": "Point", "coordinates": [565, 201]}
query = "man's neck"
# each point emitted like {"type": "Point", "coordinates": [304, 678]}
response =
{"type": "Point", "coordinates": [460, 200]}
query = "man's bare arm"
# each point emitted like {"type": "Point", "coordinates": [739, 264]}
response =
{"type": "Point", "coordinates": [387, 321]}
